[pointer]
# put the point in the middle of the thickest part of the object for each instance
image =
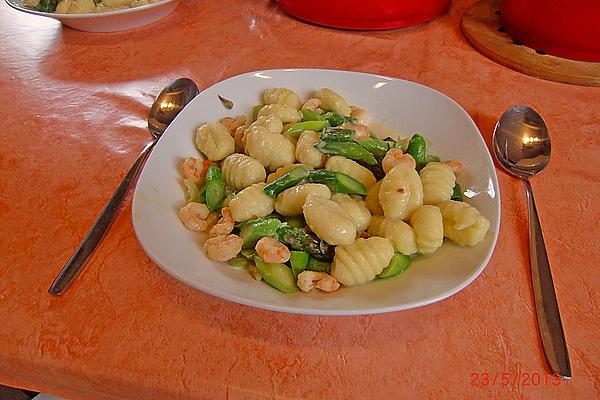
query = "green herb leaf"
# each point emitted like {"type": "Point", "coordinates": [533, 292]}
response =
{"type": "Point", "coordinates": [228, 104]}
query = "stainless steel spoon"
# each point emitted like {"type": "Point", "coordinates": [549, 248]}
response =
{"type": "Point", "coordinates": [165, 108]}
{"type": "Point", "coordinates": [522, 147]}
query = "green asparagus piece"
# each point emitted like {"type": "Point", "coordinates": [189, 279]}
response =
{"type": "Point", "coordinates": [285, 181]}
{"type": "Point", "coordinates": [338, 134]}
{"type": "Point", "coordinates": [252, 231]}
{"type": "Point", "coordinates": [457, 194]}
{"type": "Point", "coordinates": [192, 193]}
{"type": "Point", "coordinates": [350, 150]}
{"type": "Point", "coordinates": [248, 253]}
{"type": "Point", "coordinates": [255, 111]}
{"type": "Point", "coordinates": [337, 119]}
{"type": "Point", "coordinates": [318, 265]}
{"type": "Point", "coordinates": [46, 6]}
{"type": "Point", "coordinates": [417, 148]}
{"type": "Point", "coordinates": [295, 221]}
{"type": "Point", "coordinates": [338, 182]}
{"type": "Point", "coordinates": [298, 261]}
{"type": "Point", "coordinates": [310, 115]}
{"type": "Point", "coordinates": [301, 240]}
{"type": "Point", "coordinates": [202, 194]}
{"type": "Point", "coordinates": [238, 262]}
{"type": "Point", "coordinates": [215, 188]}
{"type": "Point", "coordinates": [300, 127]}
{"type": "Point", "coordinates": [398, 263]}
{"type": "Point", "coordinates": [277, 275]}
{"type": "Point", "coordinates": [377, 147]}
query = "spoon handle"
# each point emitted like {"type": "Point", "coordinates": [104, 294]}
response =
{"type": "Point", "coordinates": [546, 306]}
{"type": "Point", "coordinates": [94, 236]}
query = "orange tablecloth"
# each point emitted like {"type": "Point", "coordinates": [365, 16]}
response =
{"type": "Point", "coordinates": [73, 111]}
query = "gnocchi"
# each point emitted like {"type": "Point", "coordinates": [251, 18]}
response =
{"type": "Point", "coordinates": [351, 168]}
{"type": "Point", "coordinates": [251, 203]}
{"type": "Point", "coordinates": [306, 152]}
{"type": "Point", "coordinates": [328, 220]}
{"type": "Point", "coordinates": [290, 201]}
{"type": "Point", "coordinates": [401, 192]}
{"type": "Point", "coordinates": [428, 226]}
{"type": "Point", "coordinates": [400, 234]}
{"type": "Point", "coordinates": [283, 96]}
{"type": "Point", "coordinates": [331, 101]}
{"type": "Point", "coordinates": [241, 171]}
{"type": "Point", "coordinates": [463, 224]}
{"type": "Point", "coordinates": [214, 141]}
{"type": "Point", "coordinates": [438, 182]}
{"type": "Point", "coordinates": [356, 209]}
{"type": "Point", "coordinates": [360, 261]}
{"type": "Point", "coordinates": [272, 150]}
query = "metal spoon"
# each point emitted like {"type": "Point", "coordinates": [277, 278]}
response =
{"type": "Point", "coordinates": [522, 147]}
{"type": "Point", "coordinates": [171, 100]}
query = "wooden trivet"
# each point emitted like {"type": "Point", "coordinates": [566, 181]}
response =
{"type": "Point", "coordinates": [481, 26]}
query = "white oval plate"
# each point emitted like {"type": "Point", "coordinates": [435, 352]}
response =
{"type": "Point", "coordinates": [401, 105]}
{"type": "Point", "coordinates": [110, 21]}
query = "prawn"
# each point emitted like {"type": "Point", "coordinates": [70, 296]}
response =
{"type": "Point", "coordinates": [272, 251]}
{"type": "Point", "coordinates": [223, 247]}
{"type": "Point", "coordinates": [312, 104]}
{"type": "Point", "coordinates": [194, 169]}
{"type": "Point", "coordinates": [359, 114]}
{"type": "Point", "coordinates": [238, 137]}
{"type": "Point", "coordinates": [225, 224]}
{"type": "Point", "coordinates": [308, 280]}
{"type": "Point", "coordinates": [455, 165]}
{"type": "Point", "coordinates": [232, 124]}
{"type": "Point", "coordinates": [395, 157]}
{"type": "Point", "coordinates": [197, 217]}
{"type": "Point", "coordinates": [360, 131]}
{"type": "Point", "coordinates": [254, 272]}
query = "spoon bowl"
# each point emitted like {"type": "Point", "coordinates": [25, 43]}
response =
{"type": "Point", "coordinates": [522, 142]}
{"type": "Point", "coordinates": [522, 146]}
{"type": "Point", "coordinates": [170, 101]}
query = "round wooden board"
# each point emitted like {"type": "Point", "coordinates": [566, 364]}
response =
{"type": "Point", "coordinates": [481, 26]}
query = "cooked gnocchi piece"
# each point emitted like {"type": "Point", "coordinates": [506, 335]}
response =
{"type": "Point", "coordinates": [329, 220]}
{"type": "Point", "coordinates": [428, 226]}
{"type": "Point", "coordinates": [214, 141]}
{"type": "Point", "coordinates": [241, 171]}
{"type": "Point", "coordinates": [306, 152]}
{"type": "Point", "coordinates": [356, 209]}
{"type": "Point", "coordinates": [351, 168]}
{"type": "Point", "coordinates": [438, 182]}
{"type": "Point", "coordinates": [400, 234]}
{"type": "Point", "coordinates": [360, 261]}
{"type": "Point", "coordinates": [251, 203]}
{"type": "Point", "coordinates": [290, 201]}
{"type": "Point", "coordinates": [272, 150]}
{"type": "Point", "coordinates": [283, 96]}
{"type": "Point", "coordinates": [463, 224]}
{"type": "Point", "coordinates": [332, 101]}
{"type": "Point", "coordinates": [401, 192]}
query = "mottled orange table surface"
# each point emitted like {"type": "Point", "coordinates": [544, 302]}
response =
{"type": "Point", "coordinates": [73, 116]}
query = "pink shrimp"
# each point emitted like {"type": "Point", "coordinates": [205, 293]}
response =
{"type": "Point", "coordinates": [272, 251]}
{"type": "Point", "coordinates": [395, 157]}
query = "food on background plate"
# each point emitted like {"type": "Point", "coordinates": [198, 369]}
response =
{"type": "Point", "coordinates": [305, 195]}
{"type": "Point", "coordinates": [83, 6]}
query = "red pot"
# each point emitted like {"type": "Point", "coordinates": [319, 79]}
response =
{"type": "Point", "coordinates": [363, 14]}
{"type": "Point", "coordinates": [565, 28]}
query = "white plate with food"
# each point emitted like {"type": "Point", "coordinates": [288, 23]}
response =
{"type": "Point", "coordinates": [394, 108]}
{"type": "Point", "coordinates": [98, 15]}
